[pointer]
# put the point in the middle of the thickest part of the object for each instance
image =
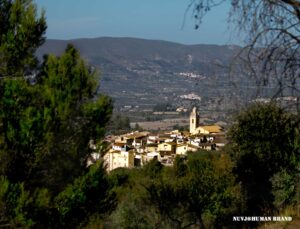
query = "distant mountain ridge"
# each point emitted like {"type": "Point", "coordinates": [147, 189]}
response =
{"type": "Point", "coordinates": [131, 67]}
{"type": "Point", "coordinates": [123, 51]}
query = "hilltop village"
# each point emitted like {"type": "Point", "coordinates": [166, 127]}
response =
{"type": "Point", "coordinates": [137, 148]}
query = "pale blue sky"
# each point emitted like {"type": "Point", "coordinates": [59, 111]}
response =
{"type": "Point", "coordinates": [150, 19]}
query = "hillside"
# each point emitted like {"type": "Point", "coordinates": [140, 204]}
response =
{"type": "Point", "coordinates": [138, 72]}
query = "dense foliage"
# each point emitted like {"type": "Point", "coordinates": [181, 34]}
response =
{"type": "Point", "coordinates": [21, 33]}
{"type": "Point", "coordinates": [45, 127]}
{"type": "Point", "coordinates": [198, 191]}
{"type": "Point", "coordinates": [118, 125]}
{"type": "Point", "coordinates": [265, 148]}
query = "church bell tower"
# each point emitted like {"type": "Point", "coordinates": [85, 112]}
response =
{"type": "Point", "coordinates": [194, 120]}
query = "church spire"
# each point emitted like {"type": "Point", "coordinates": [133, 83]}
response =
{"type": "Point", "coordinates": [194, 120]}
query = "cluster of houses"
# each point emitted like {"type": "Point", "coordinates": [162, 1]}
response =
{"type": "Point", "coordinates": [137, 148]}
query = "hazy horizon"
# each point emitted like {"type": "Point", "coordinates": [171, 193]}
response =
{"type": "Point", "coordinates": [139, 38]}
{"type": "Point", "coordinates": [155, 20]}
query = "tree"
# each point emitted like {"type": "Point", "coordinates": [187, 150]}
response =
{"type": "Point", "coordinates": [179, 166]}
{"type": "Point", "coordinates": [88, 195]}
{"type": "Point", "coordinates": [45, 127]}
{"type": "Point", "coordinates": [265, 142]}
{"type": "Point", "coordinates": [13, 200]}
{"type": "Point", "coordinates": [130, 211]}
{"type": "Point", "coordinates": [285, 189]}
{"type": "Point", "coordinates": [118, 124]}
{"type": "Point", "coordinates": [272, 51]}
{"type": "Point", "coordinates": [22, 32]}
{"type": "Point", "coordinates": [204, 192]}
{"type": "Point", "coordinates": [153, 168]}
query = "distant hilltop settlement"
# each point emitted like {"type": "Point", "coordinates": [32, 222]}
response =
{"type": "Point", "coordinates": [135, 149]}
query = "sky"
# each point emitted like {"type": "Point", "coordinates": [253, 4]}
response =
{"type": "Point", "coordinates": [149, 19]}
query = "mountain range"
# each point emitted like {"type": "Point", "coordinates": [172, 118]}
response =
{"type": "Point", "coordinates": [140, 72]}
